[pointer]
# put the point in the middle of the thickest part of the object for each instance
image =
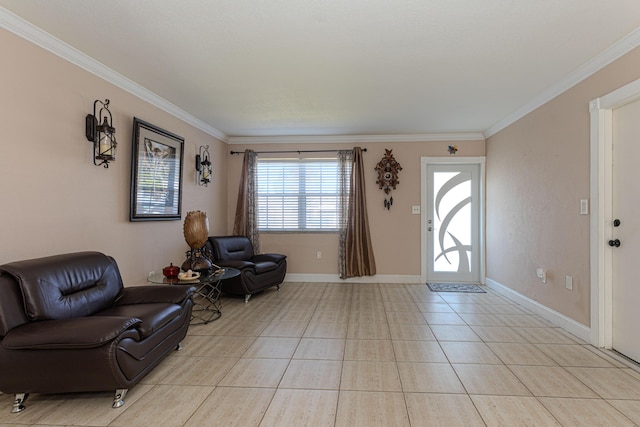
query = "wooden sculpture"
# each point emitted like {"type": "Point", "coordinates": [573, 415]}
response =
{"type": "Point", "coordinates": [196, 232]}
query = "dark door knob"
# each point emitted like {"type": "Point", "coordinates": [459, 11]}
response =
{"type": "Point", "coordinates": [616, 223]}
{"type": "Point", "coordinates": [615, 243]}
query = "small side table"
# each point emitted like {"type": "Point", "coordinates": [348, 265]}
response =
{"type": "Point", "coordinates": [206, 301]}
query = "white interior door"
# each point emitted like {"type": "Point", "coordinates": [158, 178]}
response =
{"type": "Point", "coordinates": [452, 222]}
{"type": "Point", "coordinates": [626, 233]}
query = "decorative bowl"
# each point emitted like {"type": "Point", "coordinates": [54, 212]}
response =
{"type": "Point", "coordinates": [188, 275]}
{"type": "Point", "coordinates": [171, 271]}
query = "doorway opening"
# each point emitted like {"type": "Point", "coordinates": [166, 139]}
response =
{"type": "Point", "coordinates": [451, 220]}
{"type": "Point", "coordinates": [602, 215]}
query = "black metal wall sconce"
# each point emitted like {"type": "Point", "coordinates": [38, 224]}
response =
{"type": "Point", "coordinates": [203, 166]}
{"type": "Point", "coordinates": [99, 130]}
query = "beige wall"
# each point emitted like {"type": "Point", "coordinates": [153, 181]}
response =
{"type": "Point", "coordinates": [54, 200]}
{"type": "Point", "coordinates": [395, 233]}
{"type": "Point", "coordinates": [537, 172]}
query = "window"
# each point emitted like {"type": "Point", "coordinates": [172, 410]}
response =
{"type": "Point", "coordinates": [298, 195]}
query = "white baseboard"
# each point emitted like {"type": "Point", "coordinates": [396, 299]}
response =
{"type": "Point", "coordinates": [334, 278]}
{"type": "Point", "coordinates": [578, 329]}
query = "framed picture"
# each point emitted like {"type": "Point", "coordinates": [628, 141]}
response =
{"type": "Point", "coordinates": [156, 173]}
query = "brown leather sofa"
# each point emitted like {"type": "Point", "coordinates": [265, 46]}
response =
{"type": "Point", "coordinates": [67, 324]}
{"type": "Point", "coordinates": [257, 272]}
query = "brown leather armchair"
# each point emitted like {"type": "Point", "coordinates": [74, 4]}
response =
{"type": "Point", "coordinates": [257, 272]}
{"type": "Point", "coordinates": [67, 324]}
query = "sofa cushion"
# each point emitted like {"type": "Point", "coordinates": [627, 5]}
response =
{"type": "Point", "coordinates": [84, 332]}
{"type": "Point", "coordinates": [66, 286]}
{"type": "Point", "coordinates": [236, 248]}
{"type": "Point", "coordinates": [153, 316]}
{"type": "Point", "coordinates": [277, 258]}
{"type": "Point", "coordinates": [154, 293]}
{"type": "Point", "coordinates": [240, 265]}
{"type": "Point", "coordinates": [263, 267]}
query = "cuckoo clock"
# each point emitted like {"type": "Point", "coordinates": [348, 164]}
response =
{"type": "Point", "coordinates": [388, 169]}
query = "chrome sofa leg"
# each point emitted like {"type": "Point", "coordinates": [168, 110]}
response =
{"type": "Point", "coordinates": [118, 399]}
{"type": "Point", "coordinates": [246, 298]}
{"type": "Point", "coordinates": [179, 346]}
{"type": "Point", "coordinates": [18, 403]}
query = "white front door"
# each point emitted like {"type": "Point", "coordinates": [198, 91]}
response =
{"type": "Point", "coordinates": [626, 230]}
{"type": "Point", "coordinates": [451, 221]}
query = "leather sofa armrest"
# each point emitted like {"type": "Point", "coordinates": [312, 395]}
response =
{"type": "Point", "coordinates": [77, 332]}
{"type": "Point", "coordinates": [268, 257]}
{"type": "Point", "coordinates": [236, 264]}
{"type": "Point", "coordinates": [154, 294]}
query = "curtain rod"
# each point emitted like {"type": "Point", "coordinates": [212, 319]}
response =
{"type": "Point", "coordinates": [293, 151]}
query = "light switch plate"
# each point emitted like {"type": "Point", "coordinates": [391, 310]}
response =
{"type": "Point", "coordinates": [584, 207]}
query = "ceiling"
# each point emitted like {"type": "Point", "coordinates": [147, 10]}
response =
{"type": "Point", "coordinates": [250, 68]}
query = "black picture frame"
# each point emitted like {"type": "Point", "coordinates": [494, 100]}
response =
{"type": "Point", "coordinates": [156, 173]}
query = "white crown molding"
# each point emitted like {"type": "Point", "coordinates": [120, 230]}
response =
{"type": "Point", "coordinates": [339, 139]}
{"type": "Point", "coordinates": [41, 38]}
{"type": "Point", "coordinates": [623, 46]}
{"type": "Point", "coordinates": [15, 24]}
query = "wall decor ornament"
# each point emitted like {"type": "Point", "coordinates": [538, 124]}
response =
{"type": "Point", "coordinates": [203, 166]}
{"type": "Point", "coordinates": [156, 173]}
{"type": "Point", "coordinates": [196, 232]}
{"type": "Point", "coordinates": [453, 149]}
{"type": "Point", "coordinates": [388, 169]}
{"type": "Point", "coordinates": [100, 131]}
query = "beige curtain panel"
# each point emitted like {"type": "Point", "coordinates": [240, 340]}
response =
{"type": "Point", "coordinates": [359, 257]}
{"type": "Point", "coordinates": [246, 221]}
{"type": "Point", "coordinates": [345, 164]}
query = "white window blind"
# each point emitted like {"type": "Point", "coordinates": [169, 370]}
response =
{"type": "Point", "coordinates": [298, 195]}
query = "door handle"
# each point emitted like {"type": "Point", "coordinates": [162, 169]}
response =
{"type": "Point", "coordinates": [615, 243]}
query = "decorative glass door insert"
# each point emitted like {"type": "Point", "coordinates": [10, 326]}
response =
{"type": "Point", "coordinates": [452, 222]}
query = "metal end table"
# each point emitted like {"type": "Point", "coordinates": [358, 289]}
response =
{"type": "Point", "coordinates": [206, 301]}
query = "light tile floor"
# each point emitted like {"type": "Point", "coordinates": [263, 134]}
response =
{"type": "Point", "coordinates": [326, 354]}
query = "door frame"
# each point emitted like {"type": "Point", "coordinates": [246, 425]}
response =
{"type": "Point", "coordinates": [601, 228]}
{"type": "Point", "coordinates": [423, 208]}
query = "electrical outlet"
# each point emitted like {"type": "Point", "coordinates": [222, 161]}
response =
{"type": "Point", "coordinates": [151, 273]}
{"type": "Point", "coordinates": [319, 254]}
{"type": "Point", "coordinates": [568, 282]}
{"type": "Point", "coordinates": [415, 210]}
